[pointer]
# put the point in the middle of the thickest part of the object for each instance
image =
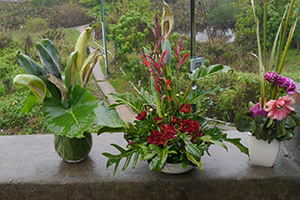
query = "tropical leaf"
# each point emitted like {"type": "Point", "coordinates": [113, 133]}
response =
{"type": "Point", "coordinates": [71, 121]}
{"type": "Point", "coordinates": [30, 66]}
{"type": "Point", "coordinates": [203, 71]}
{"type": "Point", "coordinates": [50, 46]}
{"type": "Point", "coordinates": [51, 65]}
{"type": "Point", "coordinates": [108, 119]}
{"type": "Point", "coordinates": [35, 84]}
{"type": "Point", "coordinates": [136, 104]}
{"type": "Point", "coordinates": [115, 159]}
{"type": "Point", "coordinates": [29, 103]}
{"type": "Point", "coordinates": [238, 144]}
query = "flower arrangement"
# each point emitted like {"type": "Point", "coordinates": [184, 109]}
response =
{"type": "Point", "coordinates": [272, 117]}
{"type": "Point", "coordinates": [169, 126]}
{"type": "Point", "coordinates": [68, 106]}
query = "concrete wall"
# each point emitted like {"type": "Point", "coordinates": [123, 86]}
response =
{"type": "Point", "coordinates": [293, 145]}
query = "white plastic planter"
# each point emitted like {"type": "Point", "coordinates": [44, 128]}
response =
{"type": "Point", "coordinates": [177, 168]}
{"type": "Point", "coordinates": [262, 153]}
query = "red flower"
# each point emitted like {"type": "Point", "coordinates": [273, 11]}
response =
{"type": "Point", "coordinates": [189, 125]}
{"type": "Point", "coordinates": [131, 142]}
{"type": "Point", "coordinates": [142, 115]}
{"type": "Point", "coordinates": [185, 108]}
{"type": "Point", "coordinates": [162, 138]}
{"type": "Point", "coordinates": [168, 84]}
{"type": "Point", "coordinates": [174, 120]}
{"type": "Point", "coordinates": [159, 120]}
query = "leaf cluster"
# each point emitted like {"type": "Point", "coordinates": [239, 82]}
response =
{"type": "Point", "coordinates": [267, 129]}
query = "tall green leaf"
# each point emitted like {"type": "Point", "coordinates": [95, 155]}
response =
{"type": "Point", "coordinates": [51, 65]}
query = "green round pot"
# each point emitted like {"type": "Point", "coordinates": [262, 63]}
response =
{"type": "Point", "coordinates": [73, 149]}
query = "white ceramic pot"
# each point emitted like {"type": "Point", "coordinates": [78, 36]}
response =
{"type": "Point", "coordinates": [177, 168]}
{"type": "Point", "coordinates": [262, 153]}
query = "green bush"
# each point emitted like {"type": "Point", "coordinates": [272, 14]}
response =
{"type": "Point", "coordinates": [35, 24]}
{"type": "Point", "coordinates": [72, 14]}
{"type": "Point", "coordinates": [227, 104]}
{"type": "Point", "coordinates": [14, 122]}
{"type": "Point", "coordinates": [5, 39]}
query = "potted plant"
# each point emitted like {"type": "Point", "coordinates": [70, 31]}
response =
{"type": "Point", "coordinates": [271, 120]}
{"type": "Point", "coordinates": [68, 106]}
{"type": "Point", "coordinates": [169, 132]}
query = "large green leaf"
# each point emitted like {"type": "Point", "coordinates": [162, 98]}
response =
{"type": "Point", "coordinates": [108, 119]}
{"type": "Point", "coordinates": [71, 121]}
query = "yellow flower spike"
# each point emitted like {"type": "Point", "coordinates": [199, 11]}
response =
{"type": "Point", "coordinates": [89, 64]}
{"type": "Point", "coordinates": [80, 47]}
{"type": "Point", "coordinates": [167, 20]}
{"type": "Point", "coordinates": [35, 84]}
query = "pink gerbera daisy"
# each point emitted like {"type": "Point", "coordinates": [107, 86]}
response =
{"type": "Point", "coordinates": [281, 108]}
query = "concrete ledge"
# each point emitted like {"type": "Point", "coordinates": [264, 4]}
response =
{"type": "Point", "coordinates": [31, 169]}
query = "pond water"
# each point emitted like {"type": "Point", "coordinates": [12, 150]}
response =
{"type": "Point", "coordinates": [217, 35]}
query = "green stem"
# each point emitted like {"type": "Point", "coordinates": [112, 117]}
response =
{"type": "Point", "coordinates": [188, 90]}
{"type": "Point", "coordinates": [273, 89]}
{"type": "Point", "coordinates": [265, 34]}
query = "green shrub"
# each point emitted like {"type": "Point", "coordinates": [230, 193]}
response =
{"type": "Point", "coordinates": [227, 104]}
{"type": "Point", "coordinates": [72, 14]}
{"type": "Point", "coordinates": [5, 39]}
{"type": "Point", "coordinates": [35, 24]}
{"type": "Point", "coordinates": [17, 122]}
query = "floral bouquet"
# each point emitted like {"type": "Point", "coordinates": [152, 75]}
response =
{"type": "Point", "coordinates": [272, 117]}
{"type": "Point", "coordinates": [169, 127]}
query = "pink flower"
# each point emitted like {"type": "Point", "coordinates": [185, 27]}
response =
{"type": "Point", "coordinates": [256, 110]}
{"type": "Point", "coordinates": [289, 84]}
{"type": "Point", "coordinates": [281, 108]}
{"type": "Point", "coordinates": [271, 76]}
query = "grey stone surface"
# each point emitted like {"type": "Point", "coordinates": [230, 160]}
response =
{"type": "Point", "coordinates": [31, 169]}
{"type": "Point", "coordinates": [97, 71]}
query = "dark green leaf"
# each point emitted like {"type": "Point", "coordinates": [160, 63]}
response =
{"type": "Point", "coordinates": [50, 46]}
{"type": "Point", "coordinates": [289, 135]}
{"type": "Point", "coordinates": [238, 144]}
{"type": "Point", "coordinates": [289, 122]}
{"type": "Point", "coordinates": [50, 64]}
{"type": "Point", "coordinates": [30, 66]}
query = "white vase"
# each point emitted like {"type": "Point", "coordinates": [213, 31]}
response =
{"type": "Point", "coordinates": [262, 153]}
{"type": "Point", "coordinates": [177, 168]}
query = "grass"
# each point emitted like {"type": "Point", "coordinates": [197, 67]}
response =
{"type": "Point", "coordinates": [292, 65]}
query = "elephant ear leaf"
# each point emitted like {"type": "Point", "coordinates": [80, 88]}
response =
{"type": "Point", "coordinates": [35, 84]}
{"type": "Point", "coordinates": [74, 120]}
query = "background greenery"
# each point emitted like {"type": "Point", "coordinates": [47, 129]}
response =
{"type": "Point", "coordinates": [23, 24]}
